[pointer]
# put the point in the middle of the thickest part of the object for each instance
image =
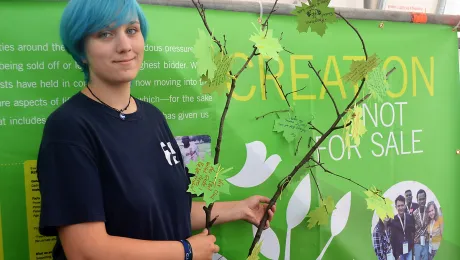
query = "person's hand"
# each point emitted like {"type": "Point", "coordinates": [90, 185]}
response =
{"type": "Point", "coordinates": [203, 246]}
{"type": "Point", "coordinates": [253, 209]}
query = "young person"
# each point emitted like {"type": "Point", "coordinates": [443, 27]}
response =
{"type": "Point", "coordinates": [113, 185]}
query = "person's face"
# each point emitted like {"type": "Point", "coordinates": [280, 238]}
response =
{"type": "Point", "coordinates": [116, 54]}
{"type": "Point", "coordinates": [431, 212]}
{"type": "Point", "coordinates": [186, 141]}
{"type": "Point", "coordinates": [400, 206]}
{"type": "Point", "coordinates": [408, 197]}
{"type": "Point", "coordinates": [421, 199]}
{"type": "Point", "coordinates": [386, 220]}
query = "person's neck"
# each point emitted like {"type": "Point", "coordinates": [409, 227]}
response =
{"type": "Point", "coordinates": [422, 210]}
{"type": "Point", "coordinates": [116, 96]}
{"type": "Point", "coordinates": [401, 215]}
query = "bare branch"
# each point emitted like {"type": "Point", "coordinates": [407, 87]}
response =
{"type": "Point", "coordinates": [297, 148]}
{"type": "Point", "coordinates": [264, 115]}
{"type": "Point", "coordinates": [317, 187]}
{"type": "Point", "coordinates": [314, 128]}
{"type": "Point", "coordinates": [294, 92]}
{"type": "Point", "coordinates": [324, 85]}
{"type": "Point", "coordinates": [265, 24]}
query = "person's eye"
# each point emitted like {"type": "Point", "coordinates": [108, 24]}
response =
{"type": "Point", "coordinates": [104, 34]}
{"type": "Point", "coordinates": [132, 30]}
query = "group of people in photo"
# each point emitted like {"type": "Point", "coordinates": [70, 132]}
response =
{"type": "Point", "coordinates": [414, 233]}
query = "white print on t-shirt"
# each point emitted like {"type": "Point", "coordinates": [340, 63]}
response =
{"type": "Point", "coordinates": [169, 153]}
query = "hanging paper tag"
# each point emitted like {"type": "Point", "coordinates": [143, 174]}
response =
{"type": "Point", "coordinates": [422, 240]}
{"type": "Point", "coordinates": [405, 247]}
{"type": "Point", "coordinates": [429, 249]}
{"type": "Point", "coordinates": [390, 256]}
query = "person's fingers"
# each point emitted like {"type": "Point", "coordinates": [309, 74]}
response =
{"type": "Point", "coordinates": [270, 215]}
{"type": "Point", "coordinates": [216, 249]}
{"type": "Point", "coordinates": [212, 238]}
{"type": "Point", "coordinates": [262, 199]}
{"type": "Point", "coordinates": [267, 225]}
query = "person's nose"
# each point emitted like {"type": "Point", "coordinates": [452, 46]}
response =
{"type": "Point", "coordinates": [124, 43]}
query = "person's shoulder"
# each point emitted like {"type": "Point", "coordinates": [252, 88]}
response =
{"type": "Point", "coordinates": [66, 121]}
{"type": "Point", "coordinates": [151, 110]}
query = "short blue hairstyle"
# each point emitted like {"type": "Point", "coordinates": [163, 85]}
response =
{"type": "Point", "coordinates": [84, 17]}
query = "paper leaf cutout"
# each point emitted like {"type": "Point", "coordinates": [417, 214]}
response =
{"type": "Point", "coordinates": [255, 252]}
{"type": "Point", "coordinates": [219, 82]}
{"type": "Point", "coordinates": [257, 168]}
{"type": "Point", "coordinates": [320, 216]}
{"type": "Point", "coordinates": [267, 45]}
{"type": "Point", "coordinates": [209, 179]}
{"type": "Point", "coordinates": [360, 68]}
{"type": "Point", "coordinates": [382, 207]}
{"type": "Point", "coordinates": [357, 127]}
{"type": "Point", "coordinates": [290, 125]}
{"type": "Point", "coordinates": [204, 53]}
{"type": "Point", "coordinates": [377, 84]}
{"type": "Point", "coordinates": [341, 214]}
{"type": "Point", "coordinates": [271, 245]}
{"type": "Point", "coordinates": [299, 204]}
{"type": "Point", "coordinates": [314, 16]}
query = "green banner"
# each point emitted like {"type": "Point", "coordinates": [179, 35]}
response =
{"type": "Point", "coordinates": [410, 143]}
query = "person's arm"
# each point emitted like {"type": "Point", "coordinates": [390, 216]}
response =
{"type": "Point", "coordinates": [251, 210]}
{"type": "Point", "coordinates": [90, 241]}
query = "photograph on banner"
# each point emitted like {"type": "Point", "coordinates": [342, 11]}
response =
{"type": "Point", "coordinates": [416, 229]}
{"type": "Point", "coordinates": [194, 147]}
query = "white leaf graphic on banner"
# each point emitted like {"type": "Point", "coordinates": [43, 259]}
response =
{"type": "Point", "coordinates": [339, 219]}
{"type": "Point", "coordinates": [270, 246]}
{"type": "Point", "coordinates": [257, 168]}
{"type": "Point", "coordinates": [297, 210]}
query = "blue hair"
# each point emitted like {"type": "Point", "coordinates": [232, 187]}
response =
{"type": "Point", "coordinates": [84, 17]}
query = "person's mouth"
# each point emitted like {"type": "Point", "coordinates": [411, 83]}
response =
{"type": "Point", "coordinates": [124, 61]}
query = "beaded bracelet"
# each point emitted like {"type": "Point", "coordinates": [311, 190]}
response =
{"type": "Point", "coordinates": [187, 249]}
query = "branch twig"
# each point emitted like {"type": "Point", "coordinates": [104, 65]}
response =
{"type": "Point", "coordinates": [324, 85]}
{"type": "Point", "coordinates": [309, 154]}
{"type": "Point", "coordinates": [271, 112]}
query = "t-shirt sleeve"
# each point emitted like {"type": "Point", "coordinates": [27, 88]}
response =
{"type": "Point", "coordinates": [69, 183]}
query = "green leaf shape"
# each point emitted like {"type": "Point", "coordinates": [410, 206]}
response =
{"type": "Point", "coordinates": [210, 179]}
{"type": "Point", "coordinates": [383, 207]}
{"type": "Point", "coordinates": [377, 84]}
{"type": "Point", "coordinates": [204, 53]}
{"type": "Point", "coordinates": [357, 127]}
{"type": "Point", "coordinates": [266, 44]}
{"type": "Point", "coordinates": [291, 126]}
{"type": "Point", "coordinates": [315, 16]}
{"type": "Point", "coordinates": [320, 215]}
{"type": "Point", "coordinates": [360, 68]}
{"type": "Point", "coordinates": [219, 82]}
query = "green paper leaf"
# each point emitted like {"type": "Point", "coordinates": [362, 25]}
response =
{"type": "Point", "coordinates": [360, 68]}
{"type": "Point", "coordinates": [320, 215]}
{"type": "Point", "coordinates": [267, 45]}
{"type": "Point", "coordinates": [357, 127]}
{"type": "Point", "coordinates": [204, 53]}
{"type": "Point", "coordinates": [291, 126]}
{"type": "Point", "coordinates": [314, 16]}
{"type": "Point", "coordinates": [210, 179]}
{"type": "Point", "coordinates": [382, 207]}
{"type": "Point", "coordinates": [377, 83]}
{"type": "Point", "coordinates": [219, 82]}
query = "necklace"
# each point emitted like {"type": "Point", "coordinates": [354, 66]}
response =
{"type": "Point", "coordinates": [122, 115]}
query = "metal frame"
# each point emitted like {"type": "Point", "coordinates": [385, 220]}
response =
{"type": "Point", "coordinates": [285, 9]}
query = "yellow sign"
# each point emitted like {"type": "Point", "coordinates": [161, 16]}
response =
{"type": "Point", "coordinates": [40, 247]}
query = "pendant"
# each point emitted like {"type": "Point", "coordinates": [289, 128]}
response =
{"type": "Point", "coordinates": [122, 116]}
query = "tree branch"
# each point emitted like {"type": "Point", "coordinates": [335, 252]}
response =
{"type": "Point", "coordinates": [297, 148]}
{"type": "Point", "coordinates": [314, 128]}
{"type": "Point", "coordinates": [271, 112]}
{"type": "Point", "coordinates": [324, 85]}
{"type": "Point", "coordinates": [307, 157]}
{"type": "Point", "coordinates": [317, 187]}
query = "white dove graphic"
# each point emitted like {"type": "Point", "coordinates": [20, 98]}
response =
{"type": "Point", "coordinates": [256, 169]}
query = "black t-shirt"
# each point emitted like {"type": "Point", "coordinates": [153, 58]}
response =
{"type": "Point", "coordinates": [93, 166]}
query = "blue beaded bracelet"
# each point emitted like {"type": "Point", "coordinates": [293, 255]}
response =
{"type": "Point", "coordinates": [187, 249]}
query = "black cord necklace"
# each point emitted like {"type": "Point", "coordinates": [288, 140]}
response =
{"type": "Point", "coordinates": [122, 115]}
